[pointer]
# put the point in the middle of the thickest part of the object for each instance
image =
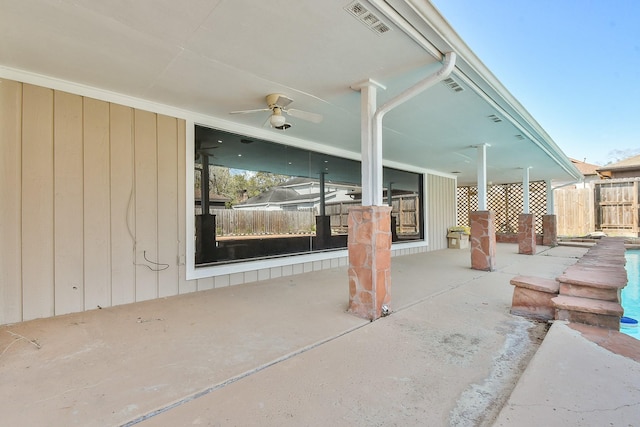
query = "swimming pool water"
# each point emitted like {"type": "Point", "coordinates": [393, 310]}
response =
{"type": "Point", "coordinates": [631, 293]}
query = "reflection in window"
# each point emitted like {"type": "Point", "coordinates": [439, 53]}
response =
{"type": "Point", "coordinates": [256, 199]}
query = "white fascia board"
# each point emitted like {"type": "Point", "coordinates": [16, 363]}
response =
{"type": "Point", "coordinates": [478, 77]}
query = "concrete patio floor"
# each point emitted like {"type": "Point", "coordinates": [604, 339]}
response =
{"type": "Point", "coordinates": [284, 352]}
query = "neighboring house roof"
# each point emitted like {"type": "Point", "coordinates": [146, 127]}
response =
{"type": "Point", "coordinates": [200, 62]}
{"type": "Point", "coordinates": [313, 182]}
{"type": "Point", "coordinates": [283, 196]}
{"type": "Point", "coordinates": [299, 181]}
{"type": "Point", "coordinates": [212, 197]}
{"type": "Point", "coordinates": [630, 163]}
{"type": "Point", "coordinates": [586, 169]}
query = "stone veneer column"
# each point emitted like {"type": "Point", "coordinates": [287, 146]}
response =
{"type": "Point", "coordinates": [549, 230]}
{"type": "Point", "coordinates": [369, 260]}
{"type": "Point", "coordinates": [527, 234]}
{"type": "Point", "coordinates": [483, 240]}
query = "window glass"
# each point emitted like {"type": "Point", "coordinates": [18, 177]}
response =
{"type": "Point", "coordinates": [258, 199]}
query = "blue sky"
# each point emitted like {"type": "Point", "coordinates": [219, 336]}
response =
{"type": "Point", "coordinates": [573, 64]}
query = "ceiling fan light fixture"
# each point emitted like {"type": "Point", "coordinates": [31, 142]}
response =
{"type": "Point", "coordinates": [277, 120]}
{"type": "Point", "coordinates": [276, 104]}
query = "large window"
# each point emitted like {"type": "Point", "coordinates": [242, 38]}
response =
{"type": "Point", "coordinates": [258, 199]}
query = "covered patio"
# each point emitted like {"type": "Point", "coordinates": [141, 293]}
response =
{"type": "Point", "coordinates": [285, 352]}
{"type": "Point", "coordinates": [106, 125]}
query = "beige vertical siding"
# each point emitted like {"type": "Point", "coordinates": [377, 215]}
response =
{"type": "Point", "coordinates": [37, 202]}
{"type": "Point", "coordinates": [123, 275]}
{"type": "Point", "coordinates": [184, 285]}
{"type": "Point", "coordinates": [10, 201]}
{"type": "Point", "coordinates": [68, 179]}
{"type": "Point", "coordinates": [441, 209]}
{"type": "Point", "coordinates": [146, 205]}
{"type": "Point", "coordinates": [168, 196]}
{"type": "Point", "coordinates": [92, 211]}
{"type": "Point", "coordinates": [97, 204]}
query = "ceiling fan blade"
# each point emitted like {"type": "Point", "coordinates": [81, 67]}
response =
{"type": "Point", "coordinates": [283, 101]}
{"type": "Point", "coordinates": [305, 115]}
{"type": "Point", "coordinates": [258, 110]}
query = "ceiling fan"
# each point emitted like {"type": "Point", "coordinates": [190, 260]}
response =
{"type": "Point", "coordinates": [277, 104]}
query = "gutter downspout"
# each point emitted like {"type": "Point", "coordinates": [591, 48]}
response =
{"type": "Point", "coordinates": [446, 69]}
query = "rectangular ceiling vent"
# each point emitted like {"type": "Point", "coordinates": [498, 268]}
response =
{"type": "Point", "coordinates": [453, 85]}
{"type": "Point", "coordinates": [381, 28]}
{"type": "Point", "coordinates": [368, 18]}
{"type": "Point", "coordinates": [495, 118]}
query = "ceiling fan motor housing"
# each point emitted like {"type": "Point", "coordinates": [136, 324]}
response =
{"type": "Point", "coordinates": [278, 100]}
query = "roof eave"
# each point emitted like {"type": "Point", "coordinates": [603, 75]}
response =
{"type": "Point", "coordinates": [471, 69]}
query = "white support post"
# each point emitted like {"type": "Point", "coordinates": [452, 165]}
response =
{"type": "Point", "coordinates": [377, 186]}
{"type": "Point", "coordinates": [550, 199]}
{"type": "Point", "coordinates": [525, 190]}
{"type": "Point", "coordinates": [371, 150]}
{"type": "Point", "coordinates": [482, 176]}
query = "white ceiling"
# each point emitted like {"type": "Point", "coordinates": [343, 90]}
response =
{"type": "Point", "coordinates": [211, 57]}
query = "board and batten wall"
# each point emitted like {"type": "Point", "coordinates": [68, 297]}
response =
{"type": "Point", "coordinates": [92, 210]}
{"type": "Point", "coordinates": [93, 200]}
{"type": "Point", "coordinates": [441, 209]}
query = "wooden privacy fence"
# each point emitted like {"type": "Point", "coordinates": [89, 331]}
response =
{"type": "Point", "coordinates": [407, 212]}
{"type": "Point", "coordinates": [617, 206]}
{"type": "Point", "coordinates": [405, 208]}
{"type": "Point", "coordinates": [231, 222]}
{"type": "Point", "coordinates": [506, 201]}
{"type": "Point", "coordinates": [611, 206]}
{"type": "Point", "coordinates": [574, 211]}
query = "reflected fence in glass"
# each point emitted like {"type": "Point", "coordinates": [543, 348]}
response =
{"type": "Point", "coordinates": [257, 199]}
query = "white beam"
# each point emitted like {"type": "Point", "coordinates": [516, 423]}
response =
{"type": "Point", "coordinates": [371, 155]}
{"type": "Point", "coordinates": [525, 190]}
{"type": "Point", "coordinates": [482, 176]}
{"type": "Point", "coordinates": [550, 199]}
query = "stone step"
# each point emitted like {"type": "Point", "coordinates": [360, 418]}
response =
{"type": "Point", "coordinates": [604, 314]}
{"type": "Point", "coordinates": [590, 292]}
{"type": "Point", "coordinates": [588, 305]}
{"type": "Point", "coordinates": [532, 297]}
{"type": "Point", "coordinates": [595, 282]}
{"type": "Point", "coordinates": [595, 260]}
{"type": "Point", "coordinates": [534, 283]}
{"type": "Point", "coordinates": [595, 276]}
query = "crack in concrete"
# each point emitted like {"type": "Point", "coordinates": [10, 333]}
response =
{"type": "Point", "coordinates": [238, 377]}
{"type": "Point", "coordinates": [481, 402]}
